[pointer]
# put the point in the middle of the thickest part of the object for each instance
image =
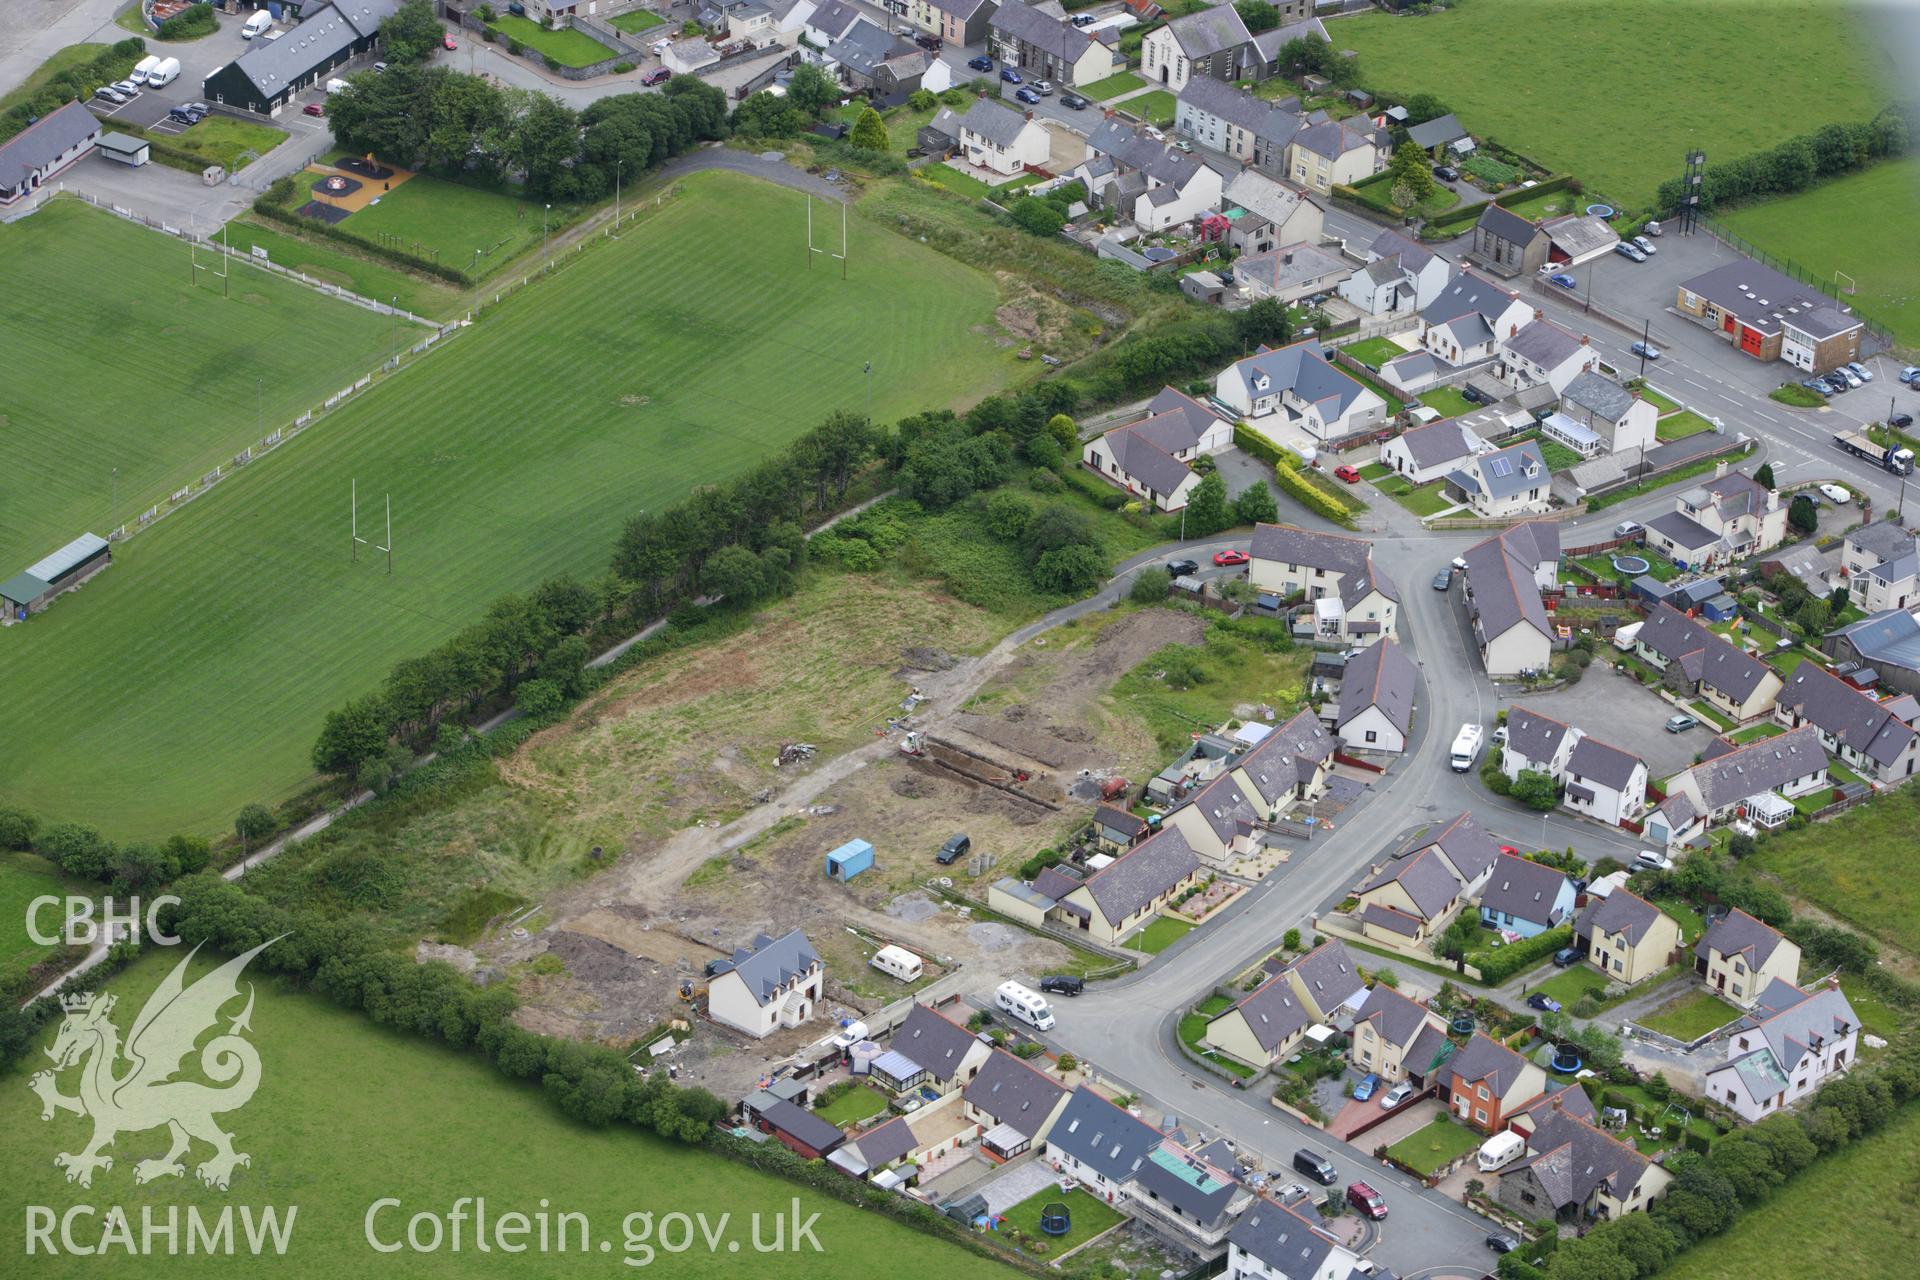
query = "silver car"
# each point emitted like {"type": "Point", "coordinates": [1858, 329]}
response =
{"type": "Point", "coordinates": [1644, 245]}
{"type": "Point", "coordinates": [1859, 371]}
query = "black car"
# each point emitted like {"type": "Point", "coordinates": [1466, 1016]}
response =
{"type": "Point", "coordinates": [1501, 1242]}
{"type": "Point", "coordinates": [1446, 173]}
{"type": "Point", "coordinates": [1315, 1166]}
{"type": "Point", "coordinates": [1063, 984]}
{"type": "Point", "coordinates": [1443, 579]}
{"type": "Point", "coordinates": [1566, 956]}
{"type": "Point", "coordinates": [1182, 568]}
{"type": "Point", "coordinates": [1900, 421]}
{"type": "Point", "coordinates": [954, 849]}
{"type": "Point", "coordinates": [1073, 102]}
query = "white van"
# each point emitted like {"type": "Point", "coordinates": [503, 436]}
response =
{"type": "Point", "coordinates": [254, 25]}
{"type": "Point", "coordinates": [336, 85]}
{"type": "Point", "coordinates": [1027, 1005]}
{"type": "Point", "coordinates": [166, 73]}
{"type": "Point", "coordinates": [1500, 1150]}
{"type": "Point", "coordinates": [144, 68]}
{"type": "Point", "coordinates": [897, 962]}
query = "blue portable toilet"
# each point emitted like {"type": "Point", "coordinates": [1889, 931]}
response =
{"type": "Point", "coordinates": [849, 860]}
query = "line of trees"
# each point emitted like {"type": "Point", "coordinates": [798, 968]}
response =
{"type": "Point", "coordinates": [82, 851]}
{"type": "Point", "coordinates": [1797, 163]}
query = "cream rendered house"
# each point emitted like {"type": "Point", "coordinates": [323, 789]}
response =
{"type": "Point", "coordinates": [1739, 957]}
{"type": "Point", "coordinates": [1626, 937]}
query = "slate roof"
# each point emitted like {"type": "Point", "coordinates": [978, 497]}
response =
{"type": "Point", "coordinates": [1043, 31]}
{"type": "Point", "coordinates": [1739, 934]}
{"type": "Point", "coordinates": [1792, 1021]}
{"type": "Point", "coordinates": [1329, 975]}
{"type": "Point", "coordinates": [1600, 395]}
{"type": "Point", "coordinates": [1439, 443]}
{"type": "Point", "coordinates": [1139, 454]}
{"type": "Point", "coordinates": [1390, 918]}
{"type": "Point", "coordinates": [1101, 1136]}
{"type": "Point", "coordinates": [1289, 755]}
{"type": "Point", "coordinates": [1258, 193]}
{"type": "Point", "coordinates": [1382, 676]}
{"type": "Point", "coordinates": [1619, 912]}
{"type": "Point", "coordinates": [1303, 370]}
{"type": "Point", "coordinates": [1507, 225]}
{"type": "Point", "coordinates": [1523, 889]}
{"type": "Point", "coordinates": [866, 45]}
{"type": "Point", "coordinates": [1426, 880]}
{"type": "Point", "coordinates": [1533, 736]}
{"type": "Point", "coordinates": [1759, 766]}
{"type": "Point", "coordinates": [803, 1126]}
{"type": "Point", "coordinates": [881, 1145]}
{"type": "Point", "coordinates": [1674, 636]}
{"type": "Point", "coordinates": [1118, 820]}
{"type": "Point", "coordinates": [1572, 1159]}
{"type": "Point", "coordinates": [1269, 43]}
{"type": "Point", "coordinates": [1607, 765]}
{"type": "Point", "coordinates": [1733, 671]}
{"type": "Point", "coordinates": [1055, 883]}
{"type": "Point", "coordinates": [1505, 472]}
{"type": "Point", "coordinates": [833, 17]}
{"type": "Point", "coordinates": [1219, 98]}
{"type": "Point", "coordinates": [1504, 592]}
{"type": "Point", "coordinates": [1763, 298]}
{"type": "Point", "coordinates": [1488, 1060]}
{"type": "Point", "coordinates": [1437, 132]}
{"type": "Point", "coordinates": [1467, 294]}
{"type": "Point", "coordinates": [1142, 874]}
{"type": "Point", "coordinates": [1290, 544]}
{"type": "Point", "coordinates": [1013, 1093]}
{"type": "Point", "coordinates": [1579, 234]}
{"type": "Point", "coordinates": [1133, 150]}
{"type": "Point", "coordinates": [1396, 1019]}
{"type": "Point", "coordinates": [1210, 31]}
{"type": "Point", "coordinates": [1465, 842]}
{"type": "Point", "coordinates": [997, 124]}
{"type": "Point", "coordinates": [1683, 530]}
{"type": "Point", "coordinates": [1225, 808]}
{"type": "Point", "coordinates": [1891, 638]}
{"type": "Point", "coordinates": [1334, 138]}
{"type": "Point", "coordinates": [1273, 1013]}
{"type": "Point", "coordinates": [1289, 1246]}
{"type": "Point", "coordinates": [273, 65]}
{"type": "Point", "coordinates": [1544, 343]}
{"type": "Point", "coordinates": [1883, 539]}
{"type": "Point", "coordinates": [39, 143]}
{"type": "Point", "coordinates": [933, 1041]}
{"type": "Point", "coordinates": [1291, 266]}
{"type": "Point", "coordinates": [1852, 718]}
{"type": "Point", "coordinates": [769, 963]}
{"type": "Point", "coordinates": [1391, 245]}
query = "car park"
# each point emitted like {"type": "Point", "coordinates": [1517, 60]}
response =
{"type": "Point", "coordinates": [1010, 75]}
{"type": "Point", "coordinates": [1073, 102]}
{"type": "Point", "coordinates": [1836, 493]}
{"type": "Point", "coordinates": [1027, 96]}
{"type": "Point", "coordinates": [1644, 245]}
{"type": "Point", "coordinates": [1649, 860]}
{"type": "Point", "coordinates": [1368, 1201]}
{"type": "Point", "coordinates": [1545, 1004]}
{"type": "Point", "coordinates": [1564, 280]}
{"type": "Point", "coordinates": [1565, 957]}
{"type": "Point", "coordinates": [1229, 557]}
{"type": "Point", "coordinates": [1396, 1095]}
{"type": "Point", "coordinates": [1315, 1166]}
{"type": "Point", "coordinates": [1368, 1083]}
{"type": "Point", "coordinates": [1681, 723]}
{"type": "Point", "coordinates": [128, 87]}
{"type": "Point", "coordinates": [1182, 568]}
{"type": "Point", "coordinates": [1859, 371]}
{"type": "Point", "coordinates": [1062, 984]}
{"type": "Point", "coordinates": [1446, 173]}
{"type": "Point", "coordinates": [1626, 250]}
{"type": "Point", "coordinates": [981, 63]}
{"type": "Point", "coordinates": [1443, 579]}
{"type": "Point", "coordinates": [1646, 349]}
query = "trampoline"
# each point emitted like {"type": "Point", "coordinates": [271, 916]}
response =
{"type": "Point", "coordinates": [1158, 254]}
{"type": "Point", "coordinates": [1565, 1060]}
{"type": "Point", "coordinates": [1600, 211]}
{"type": "Point", "coordinates": [1462, 1023]}
{"type": "Point", "coordinates": [1055, 1220]}
{"type": "Point", "coordinates": [1635, 565]}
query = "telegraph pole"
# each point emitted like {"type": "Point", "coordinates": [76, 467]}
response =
{"type": "Point", "coordinates": [1646, 331]}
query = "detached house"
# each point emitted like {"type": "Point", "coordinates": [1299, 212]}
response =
{"type": "Point", "coordinates": [1120, 898]}
{"type": "Point", "coordinates": [1625, 937]}
{"type": "Point", "coordinates": [1219, 821]}
{"type": "Point", "coordinates": [1400, 277]}
{"type": "Point", "coordinates": [1331, 153]}
{"type": "Point", "coordinates": [1604, 782]}
{"type": "Point", "coordinates": [1099, 1145]}
{"type": "Point", "coordinates": [1739, 957]}
{"type": "Point", "coordinates": [1696, 660]}
{"type": "Point", "coordinates": [1882, 564]}
{"type": "Point", "coordinates": [1001, 139]}
{"type": "Point", "coordinates": [1352, 595]}
{"type": "Point", "coordinates": [1407, 904]}
{"type": "Point", "coordinates": [1274, 1242]}
{"type": "Point", "coordinates": [1503, 482]}
{"type": "Point", "coordinates": [1048, 47]}
{"type": "Point", "coordinates": [1153, 457]}
{"type": "Point", "coordinates": [1525, 897]}
{"type": "Point", "coordinates": [1014, 1105]}
{"type": "Point", "coordinates": [1289, 273]}
{"type": "Point", "coordinates": [1572, 1171]}
{"type": "Point", "coordinates": [1153, 184]}
{"type": "Point", "coordinates": [1543, 353]}
{"type": "Point", "coordinates": [1756, 782]}
{"type": "Point", "coordinates": [1619, 417]}
{"type": "Point", "coordinates": [1289, 764]}
{"type": "Point", "coordinates": [1771, 316]}
{"type": "Point", "coordinates": [1729, 518]}
{"type": "Point", "coordinates": [1505, 575]}
{"type": "Point", "coordinates": [1375, 710]}
{"type": "Point", "coordinates": [773, 983]}
{"type": "Point", "coordinates": [1471, 315]}
{"type": "Point", "coordinates": [1793, 1042]}
{"type": "Point", "coordinates": [1398, 1038]}
{"type": "Point", "coordinates": [1536, 743]}
{"type": "Point", "coordinates": [1429, 453]}
{"type": "Point", "coordinates": [1213, 43]}
{"type": "Point", "coordinates": [948, 1053]}
{"type": "Point", "coordinates": [1486, 1081]}
{"type": "Point", "coordinates": [1294, 390]}
{"type": "Point", "coordinates": [1267, 1025]}
{"type": "Point", "coordinates": [1870, 736]}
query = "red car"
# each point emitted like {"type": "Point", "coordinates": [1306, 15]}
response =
{"type": "Point", "coordinates": [447, 40]}
{"type": "Point", "coordinates": [1350, 474]}
{"type": "Point", "coordinates": [1224, 558]}
{"type": "Point", "coordinates": [1507, 848]}
{"type": "Point", "coordinates": [659, 75]}
{"type": "Point", "coordinates": [314, 109]}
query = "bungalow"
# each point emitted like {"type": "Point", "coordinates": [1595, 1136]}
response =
{"type": "Point", "coordinates": [1621, 418]}
{"type": "Point", "coordinates": [1441, 136]}
{"type": "Point", "coordinates": [1771, 316]}
{"type": "Point", "coordinates": [1889, 642]}
{"type": "Point", "coordinates": [1274, 1242]}
{"type": "Point", "coordinates": [1739, 957]}
{"type": "Point", "coordinates": [1098, 1145]}
{"type": "Point", "coordinates": [1400, 277]}
{"type": "Point", "coordinates": [1327, 981]}
{"type": "Point", "coordinates": [1867, 734]}
{"type": "Point", "coordinates": [801, 1132]}
{"type": "Point", "coordinates": [1151, 183]}
{"type": "Point", "coordinates": [1425, 454]}
{"type": "Point", "coordinates": [1294, 389]}
{"type": "Point", "coordinates": [1014, 1105]}
{"type": "Point", "coordinates": [1470, 316]}
{"type": "Point", "coordinates": [1485, 1081]}
{"type": "Point", "coordinates": [1120, 898]}
{"type": "Point", "coordinates": [1510, 624]}
{"type": "Point", "coordinates": [1882, 564]}
{"type": "Point", "coordinates": [1409, 903]}
{"type": "Point", "coordinates": [1525, 897]}
{"type": "Point", "coordinates": [865, 55]}
{"type": "Point", "coordinates": [1213, 42]}
{"type": "Point", "coordinates": [1048, 47]}
{"type": "Point", "coordinates": [770, 984]}
{"type": "Point", "coordinates": [1263, 1028]}
{"type": "Point", "coordinates": [1261, 214]}
{"type": "Point", "coordinates": [1151, 457]}
{"type": "Point", "coordinates": [1219, 822]}
{"type": "Point", "coordinates": [1289, 273]}
{"type": "Point", "coordinates": [1626, 937]}
{"type": "Point", "coordinates": [44, 148]}
{"type": "Point", "coordinates": [1361, 601]}
{"type": "Point", "coordinates": [1117, 829]}
{"type": "Point", "coordinates": [1001, 139]}
{"type": "Point", "coordinates": [1748, 782]}
{"type": "Point", "coordinates": [887, 1145]}
{"type": "Point", "coordinates": [949, 1053]}
{"type": "Point", "coordinates": [1543, 353]}
{"type": "Point", "coordinates": [1398, 1038]}
{"type": "Point", "coordinates": [1793, 1042]}
{"type": "Point", "coordinates": [1729, 518]}
{"type": "Point", "coordinates": [1503, 482]}
{"type": "Point", "coordinates": [1573, 1171]}
{"type": "Point", "coordinates": [1375, 710]}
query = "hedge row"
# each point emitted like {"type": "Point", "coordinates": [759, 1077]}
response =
{"type": "Point", "coordinates": [1497, 966]}
{"type": "Point", "coordinates": [75, 84]}
{"type": "Point", "coordinates": [1286, 473]}
{"type": "Point", "coordinates": [273, 206]}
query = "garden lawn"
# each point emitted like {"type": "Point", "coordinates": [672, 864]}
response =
{"type": "Point", "coordinates": [133, 368]}
{"type": "Point", "coordinates": [473, 229]}
{"type": "Point", "coordinates": [1112, 87]}
{"type": "Point", "coordinates": [348, 1112]}
{"type": "Point", "coordinates": [1374, 351]}
{"type": "Point", "coordinates": [1787, 662]}
{"type": "Point", "coordinates": [1755, 732]}
{"type": "Point", "coordinates": [1548, 204]}
{"type": "Point", "coordinates": [568, 46]}
{"type": "Point", "coordinates": [1193, 1025]}
{"type": "Point", "coordinates": [1569, 984]}
{"type": "Point", "coordinates": [1678, 426]}
{"type": "Point", "coordinates": [1701, 708]}
{"type": "Point", "coordinates": [1662, 403]}
{"type": "Point", "coordinates": [1522, 73]}
{"type": "Point", "coordinates": [1689, 1016]}
{"type": "Point", "coordinates": [1450, 402]}
{"type": "Point", "coordinates": [853, 1107]}
{"type": "Point", "coordinates": [637, 20]}
{"type": "Point", "coordinates": [1426, 500]}
{"type": "Point", "coordinates": [1088, 1215]}
{"type": "Point", "coordinates": [1439, 1143]}
{"type": "Point", "coordinates": [1853, 225]}
{"type": "Point", "coordinates": [339, 265]}
{"type": "Point", "coordinates": [1161, 934]}
{"type": "Point", "coordinates": [1377, 471]}
{"type": "Point", "coordinates": [513, 454]}
{"type": "Point", "coordinates": [1773, 1242]}
{"type": "Point", "coordinates": [957, 180]}
{"type": "Point", "coordinates": [1155, 108]}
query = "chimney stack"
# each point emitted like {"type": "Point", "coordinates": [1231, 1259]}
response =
{"type": "Point", "coordinates": [1720, 469]}
{"type": "Point", "coordinates": [1585, 339]}
{"type": "Point", "coordinates": [1539, 313]}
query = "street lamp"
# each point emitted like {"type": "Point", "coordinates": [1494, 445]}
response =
{"type": "Point", "coordinates": [545, 248]}
{"type": "Point", "coordinates": [618, 164]}
{"type": "Point", "coordinates": [869, 372]}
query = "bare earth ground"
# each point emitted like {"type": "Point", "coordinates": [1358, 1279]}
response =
{"type": "Point", "coordinates": [665, 765]}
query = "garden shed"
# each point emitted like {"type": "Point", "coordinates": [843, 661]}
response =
{"type": "Point", "coordinates": [849, 860]}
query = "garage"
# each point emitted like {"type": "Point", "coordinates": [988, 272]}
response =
{"type": "Point", "coordinates": [121, 149]}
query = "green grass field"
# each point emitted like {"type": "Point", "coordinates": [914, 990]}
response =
{"type": "Point", "coordinates": [348, 1113]}
{"type": "Point", "coordinates": [1439, 1143]}
{"type": "Point", "coordinates": [135, 369]}
{"type": "Point", "coordinates": [1851, 225]}
{"type": "Point", "coordinates": [471, 228]}
{"type": "Point", "coordinates": [568, 47]}
{"type": "Point", "coordinates": [1773, 1242]}
{"type": "Point", "coordinates": [1854, 866]}
{"type": "Point", "coordinates": [637, 20]}
{"type": "Point", "coordinates": [221, 140]}
{"type": "Point", "coordinates": [1162, 933]}
{"type": "Point", "coordinates": [514, 454]}
{"type": "Point", "coordinates": [24, 877]}
{"type": "Point", "coordinates": [1374, 351]}
{"type": "Point", "coordinates": [1088, 1214]}
{"type": "Point", "coordinates": [337, 265]}
{"type": "Point", "coordinates": [1678, 426]}
{"type": "Point", "coordinates": [1113, 86]}
{"type": "Point", "coordinates": [853, 1107]}
{"type": "Point", "coordinates": [1450, 402]}
{"type": "Point", "coordinates": [62, 60]}
{"type": "Point", "coordinates": [1523, 73]}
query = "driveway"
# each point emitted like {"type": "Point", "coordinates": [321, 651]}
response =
{"type": "Point", "coordinates": [1619, 710]}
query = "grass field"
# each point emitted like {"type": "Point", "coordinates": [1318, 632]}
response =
{"type": "Point", "coordinates": [1569, 984]}
{"type": "Point", "coordinates": [348, 1112]}
{"type": "Point", "coordinates": [568, 47]}
{"type": "Point", "coordinates": [1374, 351]}
{"type": "Point", "coordinates": [1155, 108]}
{"type": "Point", "coordinates": [957, 180]}
{"type": "Point", "coordinates": [477, 230]}
{"type": "Point", "coordinates": [222, 140]}
{"type": "Point", "coordinates": [329, 261]}
{"type": "Point", "coordinates": [1690, 1015]}
{"type": "Point", "coordinates": [1851, 225]}
{"type": "Point", "coordinates": [1236, 670]}
{"type": "Point", "coordinates": [1773, 1242]}
{"type": "Point", "coordinates": [1440, 1143]}
{"type": "Point", "coordinates": [514, 454]}
{"type": "Point", "coordinates": [637, 20]}
{"type": "Point", "coordinates": [135, 369]}
{"type": "Point", "coordinates": [1855, 865]}
{"type": "Point", "coordinates": [1450, 402]}
{"type": "Point", "coordinates": [1523, 73]}
{"type": "Point", "coordinates": [24, 877]}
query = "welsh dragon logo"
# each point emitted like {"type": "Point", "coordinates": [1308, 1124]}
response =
{"type": "Point", "coordinates": [145, 1095]}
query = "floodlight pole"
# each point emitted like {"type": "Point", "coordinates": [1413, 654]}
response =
{"type": "Point", "coordinates": [113, 516]}
{"type": "Point", "coordinates": [393, 350]}
{"type": "Point", "coordinates": [389, 547]}
{"type": "Point", "coordinates": [618, 165]}
{"type": "Point", "coordinates": [545, 244]}
{"type": "Point", "coordinates": [869, 391]}
{"type": "Point", "coordinates": [843, 240]}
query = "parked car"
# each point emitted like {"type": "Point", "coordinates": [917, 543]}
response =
{"type": "Point", "coordinates": [1182, 568]}
{"type": "Point", "coordinates": [1836, 493]}
{"type": "Point", "coordinates": [1908, 374]}
{"type": "Point", "coordinates": [1646, 349]}
{"type": "Point", "coordinates": [1859, 371]}
{"type": "Point", "coordinates": [1348, 472]}
{"type": "Point", "coordinates": [1396, 1095]}
{"type": "Point", "coordinates": [127, 87]}
{"type": "Point", "coordinates": [1838, 383]}
{"type": "Point", "coordinates": [1644, 245]}
{"type": "Point", "coordinates": [1502, 1241]}
{"type": "Point", "coordinates": [1564, 280]}
{"type": "Point", "coordinates": [1473, 395]}
{"type": "Point", "coordinates": [1368, 1201]}
{"type": "Point", "coordinates": [1545, 1004]}
{"type": "Point", "coordinates": [953, 850]}
{"type": "Point", "coordinates": [1027, 95]}
{"type": "Point", "coordinates": [1442, 580]}
{"type": "Point", "coordinates": [930, 43]}
{"type": "Point", "coordinates": [1368, 1083]}
{"type": "Point", "coordinates": [981, 63]}
{"type": "Point", "coordinates": [1846, 375]}
{"type": "Point", "coordinates": [1565, 957]}
{"type": "Point", "coordinates": [1073, 102]}
{"type": "Point", "coordinates": [1818, 385]}
{"type": "Point", "coordinates": [1900, 421]}
{"type": "Point", "coordinates": [1649, 860]}
{"type": "Point", "coordinates": [1626, 250]}
{"type": "Point", "coordinates": [659, 75]}
{"type": "Point", "coordinates": [110, 94]}
{"type": "Point", "coordinates": [1085, 19]}
{"type": "Point", "coordinates": [1229, 557]}
{"type": "Point", "coordinates": [311, 109]}
{"type": "Point", "coordinates": [1062, 984]}
{"type": "Point", "coordinates": [1627, 528]}
{"type": "Point", "coordinates": [1044, 88]}
{"type": "Point", "coordinates": [378, 67]}
{"type": "Point", "coordinates": [1315, 1166]}
{"type": "Point", "coordinates": [1010, 75]}
{"type": "Point", "coordinates": [447, 41]}
{"type": "Point", "coordinates": [1446, 173]}
{"type": "Point", "coordinates": [1681, 723]}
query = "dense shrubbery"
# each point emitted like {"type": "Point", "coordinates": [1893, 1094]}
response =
{"type": "Point", "coordinates": [1497, 966]}
{"type": "Point", "coordinates": [75, 84]}
{"type": "Point", "coordinates": [1797, 163]}
{"type": "Point", "coordinates": [190, 23]}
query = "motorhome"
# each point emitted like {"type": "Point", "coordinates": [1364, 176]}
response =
{"type": "Point", "coordinates": [1025, 1004]}
{"type": "Point", "coordinates": [1466, 747]}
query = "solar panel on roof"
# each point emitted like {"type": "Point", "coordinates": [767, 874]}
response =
{"type": "Point", "coordinates": [1502, 466]}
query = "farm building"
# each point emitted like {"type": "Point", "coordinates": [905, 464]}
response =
{"type": "Point", "coordinates": [32, 589]}
{"type": "Point", "coordinates": [43, 148]}
{"type": "Point", "coordinates": [265, 77]}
